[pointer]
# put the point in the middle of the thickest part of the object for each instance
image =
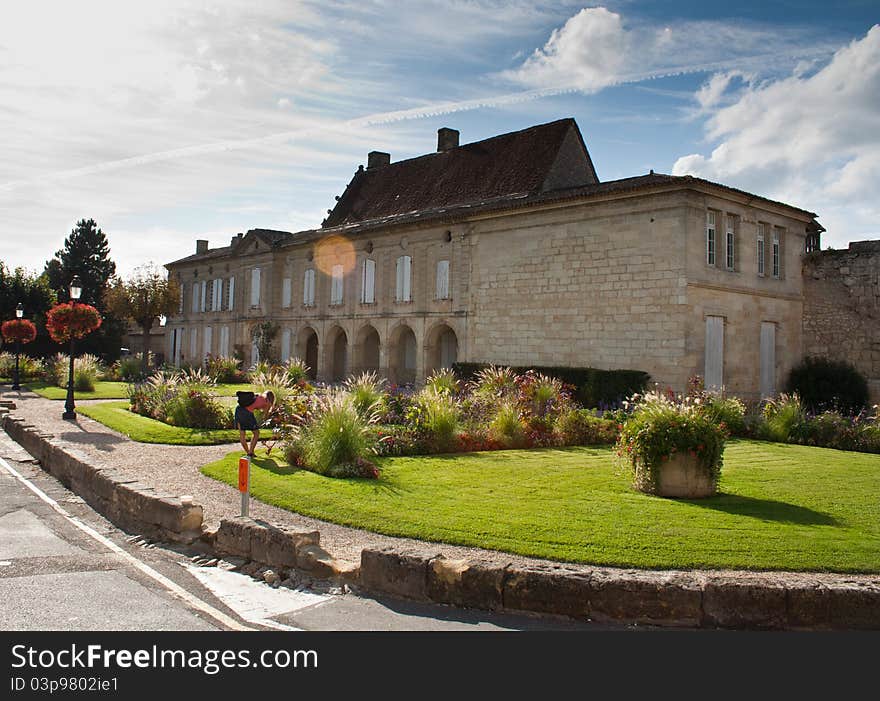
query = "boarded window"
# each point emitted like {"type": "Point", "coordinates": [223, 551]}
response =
{"type": "Point", "coordinates": [285, 292]}
{"type": "Point", "coordinates": [368, 281]}
{"type": "Point", "coordinates": [442, 279]}
{"type": "Point", "coordinates": [714, 371]}
{"type": "Point", "coordinates": [403, 288]}
{"type": "Point", "coordinates": [768, 359]}
{"type": "Point", "coordinates": [336, 284]}
{"type": "Point", "coordinates": [255, 287]}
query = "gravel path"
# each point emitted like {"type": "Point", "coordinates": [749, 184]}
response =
{"type": "Point", "coordinates": [175, 469]}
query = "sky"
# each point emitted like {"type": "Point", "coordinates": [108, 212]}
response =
{"type": "Point", "coordinates": [174, 120]}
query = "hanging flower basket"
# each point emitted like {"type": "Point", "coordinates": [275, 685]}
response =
{"type": "Point", "coordinates": [67, 321]}
{"type": "Point", "coordinates": [18, 331]}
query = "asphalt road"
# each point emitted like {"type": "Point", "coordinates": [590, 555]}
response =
{"type": "Point", "coordinates": [64, 567]}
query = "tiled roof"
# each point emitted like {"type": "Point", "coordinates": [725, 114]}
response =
{"type": "Point", "coordinates": [518, 163]}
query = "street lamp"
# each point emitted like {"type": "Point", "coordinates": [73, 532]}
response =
{"type": "Point", "coordinates": [19, 313]}
{"type": "Point", "coordinates": [69, 406]}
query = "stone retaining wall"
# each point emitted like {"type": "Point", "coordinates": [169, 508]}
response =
{"type": "Point", "coordinates": [668, 598]}
{"type": "Point", "coordinates": [127, 503]}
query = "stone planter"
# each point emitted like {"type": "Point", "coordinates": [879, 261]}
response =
{"type": "Point", "coordinates": [682, 477]}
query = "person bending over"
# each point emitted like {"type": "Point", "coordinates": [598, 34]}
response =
{"type": "Point", "coordinates": [246, 421]}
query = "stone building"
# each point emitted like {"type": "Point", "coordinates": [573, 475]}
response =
{"type": "Point", "coordinates": [511, 251]}
{"type": "Point", "coordinates": [842, 308]}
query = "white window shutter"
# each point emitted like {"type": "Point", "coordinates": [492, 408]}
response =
{"type": "Point", "coordinates": [285, 345]}
{"type": "Point", "coordinates": [194, 345]}
{"type": "Point", "coordinates": [195, 297]}
{"type": "Point", "coordinates": [285, 292]}
{"type": "Point", "coordinates": [218, 294]}
{"type": "Point", "coordinates": [368, 281]}
{"type": "Point", "coordinates": [206, 341]}
{"type": "Point", "coordinates": [714, 370]}
{"type": "Point", "coordinates": [204, 295]}
{"type": "Point", "coordinates": [442, 279]}
{"type": "Point", "coordinates": [336, 285]}
{"type": "Point", "coordinates": [407, 279]}
{"type": "Point", "coordinates": [231, 303]}
{"type": "Point", "coordinates": [224, 342]}
{"type": "Point", "coordinates": [398, 286]}
{"type": "Point", "coordinates": [255, 287]}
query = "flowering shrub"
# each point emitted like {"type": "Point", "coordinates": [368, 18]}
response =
{"type": "Point", "coordinates": [659, 428]}
{"type": "Point", "coordinates": [67, 320]}
{"type": "Point", "coordinates": [27, 366]}
{"type": "Point", "coordinates": [18, 331]}
{"type": "Point", "coordinates": [507, 428]}
{"type": "Point", "coordinates": [443, 381]}
{"type": "Point", "coordinates": [224, 369]}
{"type": "Point", "coordinates": [784, 418]}
{"type": "Point", "coordinates": [434, 415]}
{"type": "Point", "coordinates": [87, 369]}
{"type": "Point", "coordinates": [366, 392]}
{"type": "Point", "coordinates": [297, 370]}
{"type": "Point", "coordinates": [583, 427]}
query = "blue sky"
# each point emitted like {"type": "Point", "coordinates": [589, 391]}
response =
{"type": "Point", "coordinates": [175, 120]}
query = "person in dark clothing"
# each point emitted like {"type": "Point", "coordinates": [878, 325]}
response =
{"type": "Point", "coordinates": [246, 421]}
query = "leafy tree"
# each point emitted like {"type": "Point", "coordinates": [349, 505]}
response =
{"type": "Point", "coordinates": [264, 334]}
{"type": "Point", "coordinates": [145, 297]}
{"type": "Point", "coordinates": [86, 253]}
{"type": "Point", "coordinates": [34, 294]}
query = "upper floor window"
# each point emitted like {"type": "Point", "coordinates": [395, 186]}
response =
{"type": "Point", "coordinates": [285, 292]}
{"type": "Point", "coordinates": [204, 296]}
{"type": "Point", "coordinates": [760, 251]}
{"type": "Point", "coordinates": [403, 289]}
{"type": "Point", "coordinates": [255, 287]}
{"type": "Point", "coordinates": [710, 238]}
{"type": "Point", "coordinates": [231, 292]}
{"type": "Point", "coordinates": [196, 293]}
{"type": "Point", "coordinates": [730, 243]}
{"type": "Point", "coordinates": [336, 283]}
{"type": "Point", "coordinates": [309, 288]}
{"type": "Point", "coordinates": [180, 301]}
{"type": "Point", "coordinates": [217, 295]}
{"type": "Point", "coordinates": [777, 262]}
{"type": "Point", "coordinates": [368, 281]}
{"type": "Point", "coordinates": [442, 279]}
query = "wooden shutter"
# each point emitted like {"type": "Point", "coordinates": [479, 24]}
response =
{"type": "Point", "coordinates": [714, 370]}
{"type": "Point", "coordinates": [442, 279]}
{"type": "Point", "coordinates": [255, 287]}
{"type": "Point", "coordinates": [231, 304]}
{"type": "Point", "coordinates": [285, 345]}
{"type": "Point", "coordinates": [285, 292]}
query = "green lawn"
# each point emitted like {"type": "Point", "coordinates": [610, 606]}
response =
{"type": "Point", "coordinates": [139, 428]}
{"type": "Point", "coordinates": [113, 390]}
{"type": "Point", "coordinates": [782, 506]}
{"type": "Point", "coordinates": [103, 390]}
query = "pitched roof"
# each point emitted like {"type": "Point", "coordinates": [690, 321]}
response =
{"type": "Point", "coordinates": [268, 236]}
{"type": "Point", "coordinates": [517, 163]}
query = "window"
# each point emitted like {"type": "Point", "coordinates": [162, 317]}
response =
{"type": "Point", "coordinates": [368, 281]}
{"type": "Point", "coordinates": [180, 303]}
{"type": "Point", "coordinates": [195, 297]}
{"type": "Point", "coordinates": [217, 296]}
{"type": "Point", "coordinates": [403, 292]}
{"type": "Point", "coordinates": [194, 345]}
{"type": "Point", "coordinates": [761, 249]}
{"type": "Point", "coordinates": [255, 287]}
{"type": "Point", "coordinates": [204, 296]}
{"type": "Point", "coordinates": [442, 279]}
{"type": "Point", "coordinates": [230, 304]}
{"type": "Point", "coordinates": [309, 288]}
{"type": "Point", "coordinates": [730, 243]}
{"type": "Point", "coordinates": [206, 341]}
{"type": "Point", "coordinates": [710, 238]}
{"type": "Point", "coordinates": [224, 342]}
{"type": "Point", "coordinates": [285, 345]}
{"type": "Point", "coordinates": [776, 253]}
{"type": "Point", "coordinates": [714, 366]}
{"type": "Point", "coordinates": [285, 292]}
{"type": "Point", "coordinates": [336, 285]}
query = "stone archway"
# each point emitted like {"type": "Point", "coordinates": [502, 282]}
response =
{"type": "Point", "coordinates": [307, 350]}
{"type": "Point", "coordinates": [336, 354]}
{"type": "Point", "coordinates": [441, 348]}
{"type": "Point", "coordinates": [366, 350]}
{"type": "Point", "coordinates": [402, 361]}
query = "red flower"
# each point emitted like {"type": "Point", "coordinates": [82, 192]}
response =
{"type": "Point", "coordinates": [20, 330]}
{"type": "Point", "coordinates": [66, 321]}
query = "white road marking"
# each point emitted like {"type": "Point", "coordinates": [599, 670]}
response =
{"type": "Point", "coordinates": [254, 601]}
{"type": "Point", "coordinates": [171, 586]}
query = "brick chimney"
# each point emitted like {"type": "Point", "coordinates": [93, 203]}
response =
{"type": "Point", "coordinates": [235, 239]}
{"type": "Point", "coordinates": [447, 138]}
{"type": "Point", "coordinates": [201, 246]}
{"type": "Point", "coordinates": [376, 159]}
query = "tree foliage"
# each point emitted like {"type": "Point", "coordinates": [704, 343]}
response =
{"type": "Point", "coordinates": [145, 297]}
{"type": "Point", "coordinates": [86, 253]}
{"type": "Point", "coordinates": [34, 294]}
{"type": "Point", "coordinates": [263, 335]}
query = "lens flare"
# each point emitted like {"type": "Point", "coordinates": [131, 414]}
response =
{"type": "Point", "coordinates": [334, 250]}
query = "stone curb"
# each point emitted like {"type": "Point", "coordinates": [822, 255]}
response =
{"type": "Point", "coordinates": [128, 504]}
{"type": "Point", "coordinates": [665, 598]}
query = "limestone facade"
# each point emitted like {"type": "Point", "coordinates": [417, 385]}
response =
{"type": "Point", "coordinates": [611, 275]}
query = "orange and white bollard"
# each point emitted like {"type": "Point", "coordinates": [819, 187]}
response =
{"type": "Point", "coordinates": [244, 482]}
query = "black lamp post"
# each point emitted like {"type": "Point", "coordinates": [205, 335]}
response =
{"type": "Point", "coordinates": [19, 313]}
{"type": "Point", "coordinates": [69, 406]}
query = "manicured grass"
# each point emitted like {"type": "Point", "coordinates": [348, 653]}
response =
{"type": "Point", "coordinates": [103, 390]}
{"type": "Point", "coordinates": [139, 428]}
{"type": "Point", "coordinates": [782, 506]}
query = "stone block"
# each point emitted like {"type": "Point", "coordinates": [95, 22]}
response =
{"type": "Point", "coordinates": [672, 598]}
{"type": "Point", "coordinates": [552, 589]}
{"type": "Point", "coordinates": [744, 602]}
{"type": "Point", "coordinates": [469, 583]}
{"type": "Point", "coordinates": [855, 605]}
{"type": "Point", "coordinates": [396, 572]}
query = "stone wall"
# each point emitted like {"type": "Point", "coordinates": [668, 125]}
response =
{"type": "Point", "coordinates": [842, 308]}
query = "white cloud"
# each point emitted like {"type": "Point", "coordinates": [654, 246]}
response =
{"type": "Point", "coordinates": [810, 140]}
{"type": "Point", "coordinates": [595, 49]}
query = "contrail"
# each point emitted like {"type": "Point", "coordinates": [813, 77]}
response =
{"type": "Point", "coordinates": [423, 112]}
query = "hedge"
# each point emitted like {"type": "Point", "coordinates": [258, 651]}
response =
{"type": "Point", "coordinates": [593, 388]}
